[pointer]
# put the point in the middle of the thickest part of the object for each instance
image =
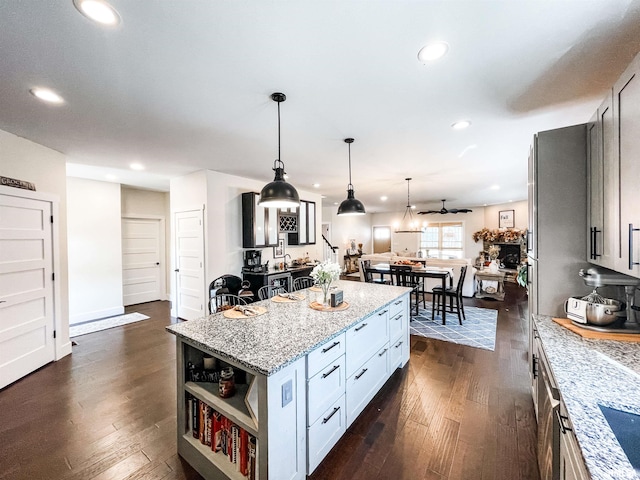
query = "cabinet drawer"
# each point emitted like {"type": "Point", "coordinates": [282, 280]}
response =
{"type": "Point", "coordinates": [365, 383]}
{"type": "Point", "coordinates": [324, 433]}
{"type": "Point", "coordinates": [396, 354]}
{"type": "Point", "coordinates": [398, 306]}
{"type": "Point", "coordinates": [366, 338]}
{"type": "Point", "coordinates": [325, 388]}
{"type": "Point", "coordinates": [397, 326]}
{"type": "Point", "coordinates": [325, 354]}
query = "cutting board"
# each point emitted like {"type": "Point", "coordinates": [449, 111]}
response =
{"type": "Point", "coordinates": [583, 332]}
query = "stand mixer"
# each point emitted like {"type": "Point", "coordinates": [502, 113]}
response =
{"type": "Point", "coordinates": [596, 278]}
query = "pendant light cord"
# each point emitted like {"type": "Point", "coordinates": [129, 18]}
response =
{"type": "Point", "coordinates": [350, 184]}
{"type": "Point", "coordinates": [279, 132]}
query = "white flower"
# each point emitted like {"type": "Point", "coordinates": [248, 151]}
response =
{"type": "Point", "coordinates": [326, 272]}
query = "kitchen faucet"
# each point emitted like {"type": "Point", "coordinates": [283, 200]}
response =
{"type": "Point", "coordinates": [285, 260]}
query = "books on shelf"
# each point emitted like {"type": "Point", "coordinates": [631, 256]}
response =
{"type": "Point", "coordinates": [223, 436]}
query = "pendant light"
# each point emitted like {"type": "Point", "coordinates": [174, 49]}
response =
{"type": "Point", "coordinates": [408, 224]}
{"type": "Point", "coordinates": [279, 193]}
{"type": "Point", "coordinates": [350, 206]}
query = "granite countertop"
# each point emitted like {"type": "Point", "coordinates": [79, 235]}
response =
{"type": "Point", "coordinates": [588, 373]}
{"type": "Point", "coordinates": [288, 331]}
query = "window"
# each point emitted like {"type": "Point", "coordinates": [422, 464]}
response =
{"type": "Point", "coordinates": [443, 239]}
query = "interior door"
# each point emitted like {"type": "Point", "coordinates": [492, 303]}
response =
{"type": "Point", "coordinates": [189, 242]}
{"type": "Point", "coordinates": [381, 239]}
{"type": "Point", "coordinates": [26, 287]}
{"type": "Point", "coordinates": [141, 270]}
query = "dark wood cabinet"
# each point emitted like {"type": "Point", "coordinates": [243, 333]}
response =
{"type": "Point", "coordinates": [259, 225]}
{"type": "Point", "coordinates": [305, 233]}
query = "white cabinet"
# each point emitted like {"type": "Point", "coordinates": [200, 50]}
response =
{"type": "Point", "coordinates": [366, 338]}
{"type": "Point", "coordinates": [325, 432]}
{"type": "Point", "coordinates": [626, 116]}
{"type": "Point", "coordinates": [365, 383]}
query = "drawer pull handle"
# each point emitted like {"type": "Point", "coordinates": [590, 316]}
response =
{"type": "Point", "coordinates": [364, 370]}
{"type": "Point", "coordinates": [361, 327]}
{"type": "Point", "coordinates": [335, 367]}
{"type": "Point", "coordinates": [382, 313]}
{"type": "Point", "coordinates": [383, 352]}
{"type": "Point", "coordinates": [335, 344]}
{"type": "Point", "coordinates": [326, 419]}
{"type": "Point", "coordinates": [398, 317]}
{"type": "Point", "coordinates": [561, 418]}
{"type": "Point", "coordinates": [399, 344]}
{"type": "Point", "coordinates": [398, 302]}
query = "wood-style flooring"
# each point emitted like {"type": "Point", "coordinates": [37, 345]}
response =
{"type": "Point", "coordinates": [107, 412]}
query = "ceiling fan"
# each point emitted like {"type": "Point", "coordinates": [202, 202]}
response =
{"type": "Point", "coordinates": [444, 211]}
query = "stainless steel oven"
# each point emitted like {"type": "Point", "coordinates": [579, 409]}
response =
{"type": "Point", "coordinates": [548, 427]}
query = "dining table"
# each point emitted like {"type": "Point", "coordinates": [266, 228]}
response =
{"type": "Point", "coordinates": [421, 272]}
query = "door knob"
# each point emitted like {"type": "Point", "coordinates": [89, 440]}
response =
{"type": "Point", "coordinates": [157, 263]}
{"type": "Point", "coordinates": [177, 270]}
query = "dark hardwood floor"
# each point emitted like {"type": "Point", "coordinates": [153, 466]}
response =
{"type": "Point", "coordinates": [108, 411]}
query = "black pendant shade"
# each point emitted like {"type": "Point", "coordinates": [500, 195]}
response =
{"type": "Point", "coordinates": [279, 193]}
{"type": "Point", "coordinates": [351, 206]}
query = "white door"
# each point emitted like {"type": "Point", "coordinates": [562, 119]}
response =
{"type": "Point", "coordinates": [26, 287]}
{"type": "Point", "coordinates": [141, 254]}
{"type": "Point", "coordinates": [190, 287]}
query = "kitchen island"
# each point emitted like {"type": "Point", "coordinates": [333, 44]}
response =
{"type": "Point", "coordinates": [303, 376]}
{"type": "Point", "coordinates": [591, 374]}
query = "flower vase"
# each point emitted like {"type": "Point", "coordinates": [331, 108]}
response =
{"type": "Point", "coordinates": [325, 294]}
{"type": "Point", "coordinates": [493, 266]}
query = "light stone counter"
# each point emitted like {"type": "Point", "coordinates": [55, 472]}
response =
{"type": "Point", "coordinates": [288, 331]}
{"type": "Point", "coordinates": [588, 373]}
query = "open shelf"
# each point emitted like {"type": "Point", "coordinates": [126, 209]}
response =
{"type": "Point", "coordinates": [220, 460]}
{"type": "Point", "coordinates": [234, 408]}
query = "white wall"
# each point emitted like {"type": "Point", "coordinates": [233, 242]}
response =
{"type": "Point", "coordinates": [521, 214]}
{"type": "Point", "coordinates": [95, 249]}
{"type": "Point", "coordinates": [345, 228]}
{"type": "Point", "coordinates": [221, 195]}
{"type": "Point", "coordinates": [150, 204]}
{"type": "Point", "coordinates": [25, 160]}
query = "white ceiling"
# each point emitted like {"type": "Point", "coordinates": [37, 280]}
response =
{"type": "Point", "coordinates": [184, 85]}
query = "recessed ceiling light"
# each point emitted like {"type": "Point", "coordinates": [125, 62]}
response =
{"type": "Point", "coordinates": [384, 198]}
{"type": "Point", "coordinates": [433, 51]}
{"type": "Point", "coordinates": [511, 200]}
{"type": "Point", "coordinates": [110, 176]}
{"type": "Point", "coordinates": [495, 187]}
{"type": "Point", "coordinates": [413, 207]}
{"type": "Point", "coordinates": [47, 95]}
{"type": "Point", "coordinates": [98, 11]}
{"type": "Point", "coordinates": [336, 203]}
{"type": "Point", "coordinates": [136, 166]}
{"type": "Point", "coordinates": [316, 185]}
{"type": "Point", "coordinates": [461, 124]}
{"type": "Point", "coordinates": [323, 196]}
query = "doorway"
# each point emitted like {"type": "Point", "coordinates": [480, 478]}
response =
{"type": "Point", "coordinates": [27, 316]}
{"type": "Point", "coordinates": [142, 259]}
{"type": "Point", "coordinates": [189, 269]}
{"type": "Point", "coordinates": [381, 239]}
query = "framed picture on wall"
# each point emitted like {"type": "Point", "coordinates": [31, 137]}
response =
{"type": "Point", "coordinates": [506, 219]}
{"type": "Point", "coordinates": [278, 252]}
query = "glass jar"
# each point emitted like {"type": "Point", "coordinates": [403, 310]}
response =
{"type": "Point", "coordinates": [227, 385]}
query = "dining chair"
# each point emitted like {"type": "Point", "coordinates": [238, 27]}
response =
{"type": "Point", "coordinates": [370, 272]}
{"type": "Point", "coordinates": [268, 291]}
{"type": "Point", "coordinates": [224, 301]}
{"type": "Point", "coordinates": [453, 294]}
{"type": "Point", "coordinates": [403, 277]}
{"type": "Point", "coordinates": [303, 282]}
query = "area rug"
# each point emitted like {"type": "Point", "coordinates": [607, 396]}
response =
{"type": "Point", "coordinates": [104, 324]}
{"type": "Point", "coordinates": [478, 330]}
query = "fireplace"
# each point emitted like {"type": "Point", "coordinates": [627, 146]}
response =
{"type": "Point", "coordinates": [509, 254]}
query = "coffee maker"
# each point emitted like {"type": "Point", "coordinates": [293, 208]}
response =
{"type": "Point", "coordinates": [252, 261]}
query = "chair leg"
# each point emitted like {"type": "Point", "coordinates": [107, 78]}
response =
{"type": "Point", "coordinates": [462, 308]}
